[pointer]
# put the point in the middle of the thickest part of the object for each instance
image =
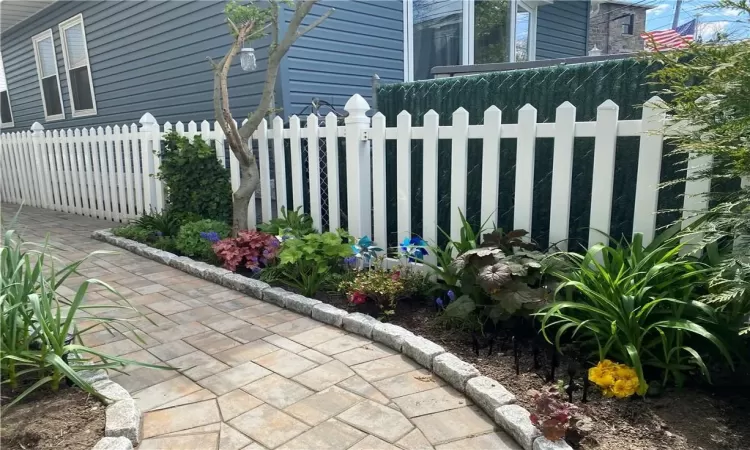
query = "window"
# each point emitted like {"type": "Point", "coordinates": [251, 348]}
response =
{"type": "Point", "coordinates": [77, 67]}
{"type": "Point", "coordinates": [49, 81]}
{"type": "Point", "coordinates": [6, 115]}
{"type": "Point", "coordinates": [627, 25]}
{"type": "Point", "coordinates": [451, 32]}
{"type": "Point", "coordinates": [437, 31]}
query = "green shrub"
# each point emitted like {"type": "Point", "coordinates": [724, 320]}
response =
{"type": "Point", "coordinates": [196, 238]}
{"type": "Point", "coordinates": [41, 341]}
{"type": "Point", "coordinates": [195, 183]}
{"type": "Point", "coordinates": [306, 262]}
{"type": "Point", "coordinates": [292, 223]}
{"type": "Point", "coordinates": [133, 232]}
{"type": "Point", "coordinates": [637, 305]}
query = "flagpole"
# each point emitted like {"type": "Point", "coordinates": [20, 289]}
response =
{"type": "Point", "coordinates": [676, 19]}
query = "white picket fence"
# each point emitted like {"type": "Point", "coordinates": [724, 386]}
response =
{"type": "Point", "coordinates": [109, 172]}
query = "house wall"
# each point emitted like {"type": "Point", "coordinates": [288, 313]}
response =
{"type": "Point", "coordinates": [147, 56]}
{"type": "Point", "coordinates": [338, 59]}
{"type": "Point", "coordinates": [562, 29]}
{"type": "Point", "coordinates": [606, 33]}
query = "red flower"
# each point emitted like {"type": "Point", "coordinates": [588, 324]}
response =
{"type": "Point", "coordinates": [358, 298]}
{"type": "Point", "coordinates": [395, 275]}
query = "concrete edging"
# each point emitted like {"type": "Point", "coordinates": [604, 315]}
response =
{"type": "Point", "coordinates": [122, 427]}
{"type": "Point", "coordinates": [490, 395]}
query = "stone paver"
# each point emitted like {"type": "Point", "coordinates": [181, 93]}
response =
{"type": "Point", "coordinates": [269, 426]}
{"type": "Point", "coordinates": [252, 375]}
{"type": "Point", "coordinates": [323, 405]}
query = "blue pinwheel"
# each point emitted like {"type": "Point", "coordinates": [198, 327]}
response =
{"type": "Point", "coordinates": [414, 248]}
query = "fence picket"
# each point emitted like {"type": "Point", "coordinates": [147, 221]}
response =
{"type": "Point", "coordinates": [41, 166]}
{"type": "Point", "coordinates": [120, 173]}
{"type": "Point", "coordinates": [137, 159]}
{"type": "Point", "coordinates": [313, 163]}
{"type": "Point", "coordinates": [332, 163]}
{"type": "Point", "coordinates": [649, 169]}
{"type": "Point", "coordinates": [19, 168]}
{"type": "Point", "coordinates": [111, 175]}
{"type": "Point", "coordinates": [99, 156]}
{"type": "Point", "coordinates": [30, 166]}
{"type": "Point", "coordinates": [295, 147]}
{"type": "Point", "coordinates": [52, 171]}
{"type": "Point", "coordinates": [430, 179]}
{"type": "Point", "coordinates": [71, 175]}
{"type": "Point", "coordinates": [219, 145]}
{"type": "Point", "coordinates": [695, 201]}
{"type": "Point", "coordinates": [403, 183]}
{"type": "Point", "coordinates": [492, 129]}
{"type": "Point", "coordinates": [562, 175]}
{"type": "Point", "coordinates": [459, 169]}
{"type": "Point", "coordinates": [5, 174]}
{"type": "Point", "coordinates": [81, 171]}
{"type": "Point", "coordinates": [265, 171]}
{"type": "Point", "coordinates": [379, 204]}
{"type": "Point", "coordinates": [525, 155]}
{"type": "Point", "coordinates": [604, 171]}
{"type": "Point", "coordinates": [279, 163]}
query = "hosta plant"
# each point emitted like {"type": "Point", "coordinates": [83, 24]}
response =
{"type": "Point", "coordinates": [639, 305]}
{"type": "Point", "coordinates": [251, 249]}
{"type": "Point", "coordinates": [292, 222]}
{"type": "Point", "coordinates": [41, 342]}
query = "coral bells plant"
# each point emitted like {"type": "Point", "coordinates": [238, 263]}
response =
{"type": "Point", "coordinates": [615, 380]}
{"type": "Point", "coordinates": [253, 249]}
{"type": "Point", "coordinates": [552, 415]}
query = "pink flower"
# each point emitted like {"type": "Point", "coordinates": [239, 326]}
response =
{"type": "Point", "coordinates": [358, 298]}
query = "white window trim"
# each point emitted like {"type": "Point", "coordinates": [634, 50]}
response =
{"type": "Point", "coordinates": [10, 124]}
{"type": "Point", "coordinates": [467, 32]}
{"type": "Point", "coordinates": [75, 20]}
{"type": "Point", "coordinates": [35, 40]}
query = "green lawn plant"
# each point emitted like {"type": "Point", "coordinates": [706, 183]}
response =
{"type": "Point", "coordinates": [41, 341]}
{"type": "Point", "coordinates": [305, 262]}
{"type": "Point", "coordinates": [637, 305]}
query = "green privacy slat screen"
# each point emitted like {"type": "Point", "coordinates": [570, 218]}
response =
{"type": "Point", "coordinates": [586, 86]}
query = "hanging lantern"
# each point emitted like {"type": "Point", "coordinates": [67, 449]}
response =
{"type": "Point", "coordinates": [247, 59]}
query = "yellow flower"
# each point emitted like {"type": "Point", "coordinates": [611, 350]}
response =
{"type": "Point", "coordinates": [622, 389]}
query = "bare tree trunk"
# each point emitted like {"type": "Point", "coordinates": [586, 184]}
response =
{"type": "Point", "coordinates": [249, 180]}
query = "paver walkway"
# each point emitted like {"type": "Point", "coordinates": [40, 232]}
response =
{"type": "Point", "coordinates": [251, 375]}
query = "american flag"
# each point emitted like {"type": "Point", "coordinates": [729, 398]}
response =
{"type": "Point", "coordinates": [678, 37]}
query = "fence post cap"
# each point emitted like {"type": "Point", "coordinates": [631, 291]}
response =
{"type": "Point", "coordinates": [36, 127]}
{"type": "Point", "coordinates": [608, 105]}
{"type": "Point", "coordinates": [357, 105]}
{"type": "Point", "coordinates": [147, 119]}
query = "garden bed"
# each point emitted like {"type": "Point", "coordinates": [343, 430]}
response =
{"type": "Point", "coordinates": [69, 419]}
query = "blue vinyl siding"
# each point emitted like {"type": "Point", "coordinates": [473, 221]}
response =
{"type": "Point", "coordinates": [338, 59]}
{"type": "Point", "coordinates": [147, 56]}
{"type": "Point", "coordinates": [562, 29]}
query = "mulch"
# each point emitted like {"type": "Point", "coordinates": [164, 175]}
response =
{"type": "Point", "coordinates": [68, 419]}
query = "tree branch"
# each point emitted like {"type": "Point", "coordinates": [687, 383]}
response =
{"type": "Point", "coordinates": [275, 54]}
{"type": "Point", "coordinates": [315, 24]}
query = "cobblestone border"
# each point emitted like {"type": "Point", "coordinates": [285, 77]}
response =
{"type": "Point", "coordinates": [122, 428]}
{"type": "Point", "coordinates": [490, 395]}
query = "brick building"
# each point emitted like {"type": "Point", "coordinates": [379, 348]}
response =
{"type": "Point", "coordinates": [616, 27]}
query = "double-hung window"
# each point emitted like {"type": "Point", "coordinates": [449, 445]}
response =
{"type": "Point", "coordinates": [77, 67]}
{"type": "Point", "coordinates": [49, 80]}
{"type": "Point", "coordinates": [6, 115]}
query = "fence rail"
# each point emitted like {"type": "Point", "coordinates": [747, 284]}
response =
{"type": "Point", "coordinates": [109, 172]}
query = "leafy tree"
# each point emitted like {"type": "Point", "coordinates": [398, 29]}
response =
{"type": "Point", "coordinates": [708, 85]}
{"type": "Point", "coordinates": [249, 22]}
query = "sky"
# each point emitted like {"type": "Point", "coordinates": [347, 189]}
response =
{"type": "Point", "coordinates": [709, 21]}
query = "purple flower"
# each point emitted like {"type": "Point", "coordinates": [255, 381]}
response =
{"type": "Point", "coordinates": [210, 236]}
{"type": "Point", "coordinates": [451, 296]}
{"type": "Point", "coordinates": [350, 260]}
{"type": "Point", "coordinates": [439, 303]}
{"type": "Point", "coordinates": [274, 243]}
{"type": "Point", "coordinates": [159, 233]}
